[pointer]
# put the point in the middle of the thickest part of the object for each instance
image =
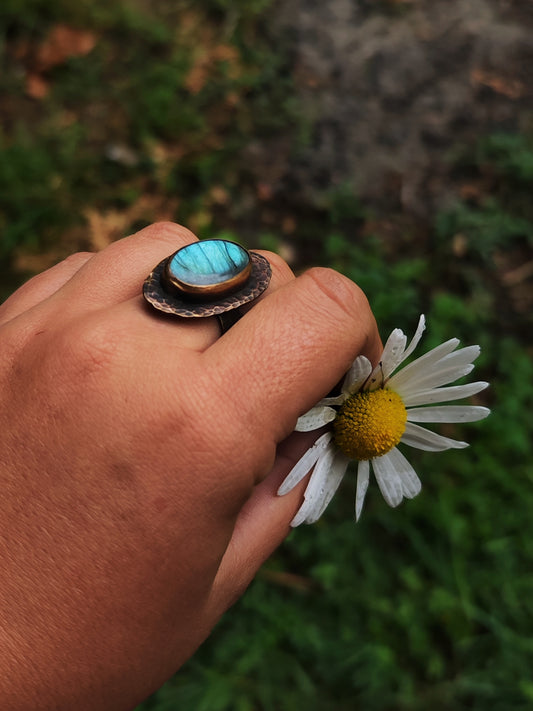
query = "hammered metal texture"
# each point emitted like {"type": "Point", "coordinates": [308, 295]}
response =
{"type": "Point", "coordinates": [155, 294]}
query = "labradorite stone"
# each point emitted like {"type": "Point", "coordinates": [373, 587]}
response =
{"type": "Point", "coordinates": [208, 263]}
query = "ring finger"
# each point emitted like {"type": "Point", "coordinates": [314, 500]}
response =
{"type": "Point", "coordinates": [112, 281]}
{"type": "Point", "coordinates": [193, 333]}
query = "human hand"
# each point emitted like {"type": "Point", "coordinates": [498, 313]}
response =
{"type": "Point", "coordinates": [140, 459]}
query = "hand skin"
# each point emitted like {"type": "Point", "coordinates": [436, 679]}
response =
{"type": "Point", "coordinates": [140, 456]}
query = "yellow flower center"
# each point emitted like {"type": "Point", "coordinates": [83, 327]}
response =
{"type": "Point", "coordinates": [370, 424]}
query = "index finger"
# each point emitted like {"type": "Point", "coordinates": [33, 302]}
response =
{"type": "Point", "coordinates": [292, 348]}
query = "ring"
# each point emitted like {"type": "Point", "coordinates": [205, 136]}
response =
{"type": "Point", "coordinates": [213, 277]}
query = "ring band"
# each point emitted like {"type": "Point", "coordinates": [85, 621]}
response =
{"type": "Point", "coordinates": [207, 278]}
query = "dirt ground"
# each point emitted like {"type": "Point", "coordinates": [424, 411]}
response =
{"type": "Point", "coordinates": [390, 88]}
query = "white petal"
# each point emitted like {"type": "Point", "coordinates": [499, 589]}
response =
{"type": "Point", "coordinates": [304, 464]}
{"type": "Point", "coordinates": [315, 488]}
{"type": "Point", "coordinates": [389, 481]}
{"type": "Point", "coordinates": [392, 353]}
{"type": "Point", "coordinates": [336, 400]}
{"type": "Point", "coordinates": [454, 365]}
{"type": "Point", "coordinates": [453, 392]}
{"type": "Point", "coordinates": [439, 377]}
{"type": "Point", "coordinates": [395, 351]}
{"type": "Point", "coordinates": [411, 484]}
{"type": "Point", "coordinates": [420, 438]}
{"type": "Point", "coordinates": [448, 413]}
{"type": "Point", "coordinates": [416, 338]}
{"type": "Point", "coordinates": [422, 365]}
{"type": "Point", "coordinates": [316, 417]}
{"type": "Point", "coordinates": [336, 472]}
{"type": "Point", "coordinates": [356, 376]}
{"type": "Point", "coordinates": [462, 356]}
{"type": "Point", "coordinates": [363, 472]}
{"type": "Point", "coordinates": [458, 360]}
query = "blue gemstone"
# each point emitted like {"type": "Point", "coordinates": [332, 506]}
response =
{"type": "Point", "coordinates": [208, 263]}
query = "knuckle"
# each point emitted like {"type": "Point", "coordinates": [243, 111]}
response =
{"type": "Point", "coordinates": [351, 302]}
{"type": "Point", "coordinates": [166, 231]}
{"type": "Point", "coordinates": [339, 289]}
{"type": "Point", "coordinates": [280, 269]}
{"type": "Point", "coordinates": [77, 258]}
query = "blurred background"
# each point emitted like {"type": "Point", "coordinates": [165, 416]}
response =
{"type": "Point", "coordinates": [392, 140]}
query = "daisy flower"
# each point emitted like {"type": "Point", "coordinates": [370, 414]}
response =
{"type": "Point", "coordinates": [376, 410]}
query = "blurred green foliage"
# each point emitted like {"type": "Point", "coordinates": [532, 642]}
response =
{"type": "Point", "coordinates": [426, 607]}
{"type": "Point", "coordinates": [509, 155]}
{"type": "Point", "coordinates": [159, 107]}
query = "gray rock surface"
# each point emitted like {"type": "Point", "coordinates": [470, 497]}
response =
{"type": "Point", "coordinates": [389, 88]}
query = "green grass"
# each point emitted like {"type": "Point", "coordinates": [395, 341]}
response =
{"type": "Point", "coordinates": [426, 607]}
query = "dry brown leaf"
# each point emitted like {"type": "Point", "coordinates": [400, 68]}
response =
{"type": "Point", "coordinates": [61, 43]}
{"type": "Point", "coordinates": [516, 276]}
{"type": "Point", "coordinates": [511, 88]}
{"type": "Point", "coordinates": [204, 62]}
{"type": "Point", "coordinates": [219, 195]}
{"type": "Point", "coordinates": [226, 53]}
{"type": "Point", "coordinates": [198, 73]}
{"type": "Point", "coordinates": [36, 86]}
{"type": "Point", "coordinates": [106, 227]}
{"type": "Point", "coordinates": [459, 245]}
{"type": "Point", "coordinates": [30, 263]}
{"type": "Point", "coordinates": [264, 191]}
{"type": "Point", "coordinates": [471, 191]}
{"type": "Point", "coordinates": [288, 225]}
